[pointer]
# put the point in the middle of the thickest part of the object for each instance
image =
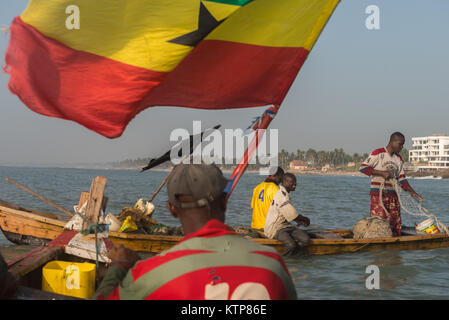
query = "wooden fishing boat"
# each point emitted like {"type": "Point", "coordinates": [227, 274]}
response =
{"type": "Point", "coordinates": [25, 226]}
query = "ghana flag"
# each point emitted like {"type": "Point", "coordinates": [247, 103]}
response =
{"type": "Point", "coordinates": [126, 55]}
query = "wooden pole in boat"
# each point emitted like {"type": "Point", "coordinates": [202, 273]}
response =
{"type": "Point", "coordinates": [161, 185]}
{"type": "Point", "coordinates": [39, 196]}
{"type": "Point", "coordinates": [95, 201]}
{"type": "Point", "coordinates": [165, 180]}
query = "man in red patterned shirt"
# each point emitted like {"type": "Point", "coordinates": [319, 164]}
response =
{"type": "Point", "coordinates": [211, 262]}
{"type": "Point", "coordinates": [385, 164]}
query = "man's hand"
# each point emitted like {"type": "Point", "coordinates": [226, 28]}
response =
{"type": "Point", "coordinates": [417, 196]}
{"type": "Point", "coordinates": [384, 174]}
{"type": "Point", "coordinates": [123, 256]}
{"type": "Point", "coordinates": [303, 221]}
{"type": "Point", "coordinates": [387, 175]}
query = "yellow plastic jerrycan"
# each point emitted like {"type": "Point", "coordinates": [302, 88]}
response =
{"type": "Point", "coordinates": [69, 278]}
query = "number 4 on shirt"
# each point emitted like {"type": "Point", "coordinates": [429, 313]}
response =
{"type": "Point", "coordinates": [261, 195]}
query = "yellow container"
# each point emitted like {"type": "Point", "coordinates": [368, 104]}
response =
{"type": "Point", "coordinates": [427, 226]}
{"type": "Point", "coordinates": [69, 278]}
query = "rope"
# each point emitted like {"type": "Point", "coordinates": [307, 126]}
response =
{"type": "Point", "coordinates": [381, 202]}
{"type": "Point", "coordinates": [422, 212]}
{"type": "Point", "coordinates": [92, 228]}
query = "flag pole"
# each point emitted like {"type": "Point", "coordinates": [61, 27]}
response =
{"type": "Point", "coordinates": [259, 126]}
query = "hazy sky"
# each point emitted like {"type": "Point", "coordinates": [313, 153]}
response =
{"type": "Point", "coordinates": [356, 87]}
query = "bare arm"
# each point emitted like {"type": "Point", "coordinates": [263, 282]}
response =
{"type": "Point", "coordinates": [408, 187]}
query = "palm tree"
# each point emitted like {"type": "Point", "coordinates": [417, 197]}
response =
{"type": "Point", "coordinates": [341, 156]}
{"type": "Point", "coordinates": [300, 155]}
{"type": "Point", "coordinates": [311, 155]}
{"type": "Point", "coordinates": [283, 159]}
{"type": "Point", "coordinates": [321, 157]}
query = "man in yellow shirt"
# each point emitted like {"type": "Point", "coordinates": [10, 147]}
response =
{"type": "Point", "coordinates": [262, 196]}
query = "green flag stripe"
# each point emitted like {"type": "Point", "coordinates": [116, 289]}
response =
{"type": "Point", "coordinates": [234, 2]}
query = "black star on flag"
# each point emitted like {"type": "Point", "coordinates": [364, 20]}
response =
{"type": "Point", "coordinates": [206, 23]}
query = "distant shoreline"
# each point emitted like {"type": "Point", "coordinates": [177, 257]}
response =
{"type": "Point", "coordinates": [444, 174]}
{"type": "Point", "coordinates": [296, 172]}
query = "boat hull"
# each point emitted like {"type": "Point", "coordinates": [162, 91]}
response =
{"type": "Point", "coordinates": [22, 227]}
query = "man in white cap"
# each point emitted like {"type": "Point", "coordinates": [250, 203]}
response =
{"type": "Point", "coordinates": [211, 262]}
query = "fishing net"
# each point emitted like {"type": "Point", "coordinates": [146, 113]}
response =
{"type": "Point", "coordinates": [410, 205]}
{"type": "Point", "coordinates": [248, 232]}
{"type": "Point", "coordinates": [372, 227]}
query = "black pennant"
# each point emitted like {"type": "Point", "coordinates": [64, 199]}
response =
{"type": "Point", "coordinates": [206, 23]}
{"type": "Point", "coordinates": [166, 156]}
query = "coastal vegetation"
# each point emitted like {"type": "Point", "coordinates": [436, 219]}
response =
{"type": "Point", "coordinates": [315, 159]}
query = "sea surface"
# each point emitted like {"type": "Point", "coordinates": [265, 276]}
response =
{"type": "Point", "coordinates": [329, 202]}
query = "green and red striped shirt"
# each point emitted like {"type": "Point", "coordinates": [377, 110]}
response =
{"type": "Point", "coordinates": [211, 263]}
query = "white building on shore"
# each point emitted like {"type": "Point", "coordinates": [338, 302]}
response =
{"type": "Point", "coordinates": [430, 153]}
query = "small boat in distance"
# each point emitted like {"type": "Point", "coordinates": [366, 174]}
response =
{"type": "Point", "coordinates": [428, 177]}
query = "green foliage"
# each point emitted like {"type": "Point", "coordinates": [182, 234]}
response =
{"type": "Point", "coordinates": [316, 159]}
{"type": "Point", "coordinates": [337, 157]}
{"type": "Point", "coordinates": [404, 154]}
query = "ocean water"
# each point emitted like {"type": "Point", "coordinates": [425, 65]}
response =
{"type": "Point", "coordinates": [329, 202]}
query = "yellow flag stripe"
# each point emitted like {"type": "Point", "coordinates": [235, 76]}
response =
{"type": "Point", "coordinates": [135, 32]}
{"type": "Point", "coordinates": [287, 23]}
{"type": "Point", "coordinates": [327, 11]}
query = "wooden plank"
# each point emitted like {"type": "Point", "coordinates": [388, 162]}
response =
{"type": "Point", "coordinates": [29, 227]}
{"type": "Point", "coordinates": [33, 260]}
{"type": "Point", "coordinates": [95, 199]}
{"type": "Point", "coordinates": [39, 256]}
{"type": "Point", "coordinates": [31, 216]}
{"type": "Point", "coordinates": [345, 233]}
{"type": "Point", "coordinates": [38, 212]}
{"type": "Point", "coordinates": [353, 247]}
{"type": "Point", "coordinates": [63, 239]}
{"type": "Point", "coordinates": [85, 196]}
{"type": "Point", "coordinates": [324, 235]}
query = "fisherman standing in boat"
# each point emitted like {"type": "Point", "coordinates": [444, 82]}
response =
{"type": "Point", "coordinates": [262, 196]}
{"type": "Point", "coordinates": [210, 262]}
{"type": "Point", "coordinates": [382, 165]}
{"type": "Point", "coordinates": [280, 215]}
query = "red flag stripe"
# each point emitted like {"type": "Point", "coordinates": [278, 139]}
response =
{"type": "Point", "coordinates": [54, 80]}
{"type": "Point", "coordinates": [222, 75]}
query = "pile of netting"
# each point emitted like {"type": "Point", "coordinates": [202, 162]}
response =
{"type": "Point", "coordinates": [372, 227]}
{"type": "Point", "coordinates": [248, 232]}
